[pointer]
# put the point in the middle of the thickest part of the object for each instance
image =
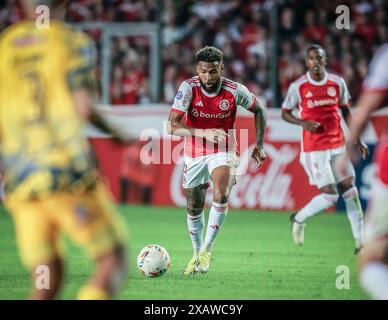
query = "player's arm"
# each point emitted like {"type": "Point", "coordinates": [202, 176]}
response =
{"type": "Point", "coordinates": [85, 104]}
{"type": "Point", "coordinates": [366, 105]}
{"type": "Point", "coordinates": [258, 153]}
{"type": "Point", "coordinates": [290, 103]}
{"type": "Point", "coordinates": [357, 143]}
{"type": "Point", "coordinates": [177, 128]}
{"type": "Point", "coordinates": [305, 124]}
{"type": "Point", "coordinates": [248, 101]}
{"type": "Point", "coordinates": [344, 100]}
{"type": "Point", "coordinates": [175, 125]}
{"type": "Point", "coordinates": [373, 96]}
{"type": "Point", "coordinates": [83, 84]}
{"type": "Point", "coordinates": [260, 122]}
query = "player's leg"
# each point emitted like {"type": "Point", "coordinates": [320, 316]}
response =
{"type": "Point", "coordinates": [222, 168]}
{"type": "Point", "coordinates": [318, 168]}
{"type": "Point", "coordinates": [373, 266]}
{"type": "Point", "coordinates": [195, 198]}
{"type": "Point", "coordinates": [353, 210]}
{"type": "Point", "coordinates": [328, 197]}
{"type": "Point", "coordinates": [373, 258]}
{"type": "Point", "coordinates": [195, 183]}
{"type": "Point", "coordinates": [110, 270]}
{"type": "Point", "coordinates": [90, 221]}
{"type": "Point", "coordinates": [52, 272]}
{"type": "Point", "coordinates": [106, 243]}
{"type": "Point", "coordinates": [348, 189]}
{"type": "Point", "coordinates": [222, 184]}
{"type": "Point", "coordinates": [37, 238]}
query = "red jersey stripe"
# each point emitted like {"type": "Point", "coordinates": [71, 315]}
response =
{"type": "Point", "coordinates": [177, 111]}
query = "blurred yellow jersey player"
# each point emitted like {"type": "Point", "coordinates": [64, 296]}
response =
{"type": "Point", "coordinates": [47, 79]}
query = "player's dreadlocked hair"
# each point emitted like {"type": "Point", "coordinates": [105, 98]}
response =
{"type": "Point", "coordinates": [209, 54]}
{"type": "Point", "coordinates": [316, 47]}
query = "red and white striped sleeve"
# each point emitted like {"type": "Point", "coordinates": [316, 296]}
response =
{"type": "Point", "coordinates": [244, 97]}
{"type": "Point", "coordinates": [344, 96]}
{"type": "Point", "coordinates": [182, 99]}
{"type": "Point", "coordinates": [292, 99]}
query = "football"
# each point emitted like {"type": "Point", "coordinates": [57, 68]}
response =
{"type": "Point", "coordinates": [153, 261]}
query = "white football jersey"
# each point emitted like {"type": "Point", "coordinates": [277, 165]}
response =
{"type": "Point", "coordinates": [377, 78]}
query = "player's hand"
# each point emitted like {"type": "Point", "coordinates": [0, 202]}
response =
{"type": "Point", "coordinates": [259, 156]}
{"type": "Point", "coordinates": [357, 151]}
{"type": "Point", "coordinates": [363, 149]}
{"type": "Point", "coordinates": [353, 152]}
{"type": "Point", "coordinates": [311, 126]}
{"type": "Point", "coordinates": [215, 135]}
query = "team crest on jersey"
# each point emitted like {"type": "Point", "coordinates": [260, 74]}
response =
{"type": "Point", "coordinates": [224, 104]}
{"type": "Point", "coordinates": [331, 91]}
{"type": "Point", "coordinates": [179, 95]}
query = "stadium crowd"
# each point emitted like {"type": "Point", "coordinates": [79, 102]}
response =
{"type": "Point", "coordinates": [242, 29]}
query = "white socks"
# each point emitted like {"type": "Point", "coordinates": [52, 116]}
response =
{"type": "Point", "coordinates": [355, 214]}
{"type": "Point", "coordinates": [217, 217]}
{"type": "Point", "coordinates": [317, 204]}
{"type": "Point", "coordinates": [353, 208]}
{"type": "Point", "coordinates": [374, 279]}
{"type": "Point", "coordinates": [195, 225]}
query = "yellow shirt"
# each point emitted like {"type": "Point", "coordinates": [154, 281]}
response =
{"type": "Point", "coordinates": [42, 144]}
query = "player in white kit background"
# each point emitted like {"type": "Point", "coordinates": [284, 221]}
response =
{"type": "Point", "coordinates": [320, 97]}
{"type": "Point", "coordinates": [373, 258]}
{"type": "Point", "coordinates": [209, 102]}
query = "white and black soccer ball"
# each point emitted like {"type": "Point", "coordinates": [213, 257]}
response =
{"type": "Point", "coordinates": [153, 260]}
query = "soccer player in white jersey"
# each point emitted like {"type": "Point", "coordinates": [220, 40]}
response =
{"type": "Point", "coordinates": [373, 260]}
{"type": "Point", "coordinates": [209, 102]}
{"type": "Point", "coordinates": [320, 96]}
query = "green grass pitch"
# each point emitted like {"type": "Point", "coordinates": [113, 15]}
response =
{"type": "Point", "coordinates": [253, 258]}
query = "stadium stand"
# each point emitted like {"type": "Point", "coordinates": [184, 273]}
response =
{"type": "Point", "coordinates": [241, 29]}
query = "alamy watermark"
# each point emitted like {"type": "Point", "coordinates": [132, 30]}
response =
{"type": "Point", "coordinates": [343, 279]}
{"type": "Point", "coordinates": [343, 20]}
{"type": "Point", "coordinates": [42, 280]}
{"type": "Point", "coordinates": [161, 148]}
{"type": "Point", "coordinates": [43, 19]}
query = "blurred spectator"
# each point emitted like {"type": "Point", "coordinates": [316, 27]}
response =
{"type": "Point", "coordinates": [288, 27]}
{"type": "Point", "coordinates": [132, 78]}
{"type": "Point", "coordinates": [144, 96]}
{"type": "Point", "coordinates": [116, 85]}
{"type": "Point", "coordinates": [169, 83]}
{"type": "Point", "coordinates": [312, 31]}
{"type": "Point", "coordinates": [366, 28]}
